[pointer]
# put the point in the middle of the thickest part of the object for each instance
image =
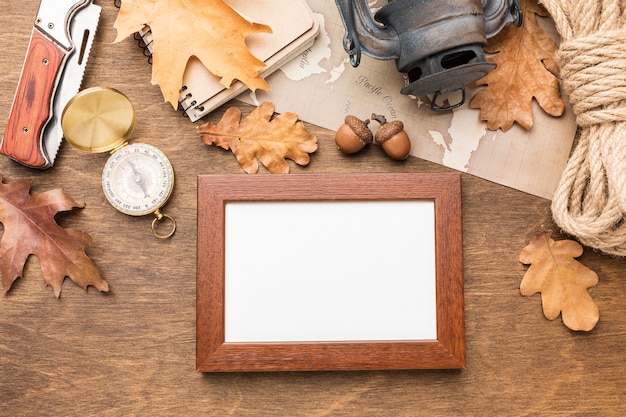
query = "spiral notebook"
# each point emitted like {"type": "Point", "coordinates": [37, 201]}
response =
{"type": "Point", "coordinates": [294, 30]}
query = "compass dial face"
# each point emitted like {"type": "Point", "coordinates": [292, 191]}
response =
{"type": "Point", "coordinates": [138, 179]}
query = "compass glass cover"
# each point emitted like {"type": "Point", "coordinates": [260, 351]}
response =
{"type": "Point", "coordinates": [138, 179]}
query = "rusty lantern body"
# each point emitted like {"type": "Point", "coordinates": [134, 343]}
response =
{"type": "Point", "coordinates": [438, 44]}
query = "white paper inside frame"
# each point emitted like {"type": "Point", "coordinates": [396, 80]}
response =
{"type": "Point", "coordinates": [330, 271]}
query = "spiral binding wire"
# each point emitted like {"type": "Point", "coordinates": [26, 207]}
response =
{"type": "Point", "coordinates": [188, 96]}
{"type": "Point", "coordinates": [144, 40]}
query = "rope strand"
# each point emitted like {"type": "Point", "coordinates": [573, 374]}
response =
{"type": "Point", "coordinates": [590, 200]}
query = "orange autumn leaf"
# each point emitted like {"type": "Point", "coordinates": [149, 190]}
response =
{"type": "Point", "coordinates": [30, 228]}
{"type": "Point", "coordinates": [210, 30]}
{"type": "Point", "coordinates": [258, 136]}
{"type": "Point", "coordinates": [561, 280]}
{"type": "Point", "coordinates": [525, 71]}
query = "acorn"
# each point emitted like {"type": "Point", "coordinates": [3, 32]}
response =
{"type": "Point", "coordinates": [392, 137]}
{"type": "Point", "coordinates": [353, 135]}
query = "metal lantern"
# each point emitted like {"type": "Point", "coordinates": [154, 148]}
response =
{"type": "Point", "coordinates": [437, 44]}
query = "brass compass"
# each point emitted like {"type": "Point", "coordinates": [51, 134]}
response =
{"type": "Point", "coordinates": [137, 179]}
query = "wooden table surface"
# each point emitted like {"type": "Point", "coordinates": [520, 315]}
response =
{"type": "Point", "coordinates": [132, 351]}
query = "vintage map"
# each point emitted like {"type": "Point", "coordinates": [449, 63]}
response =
{"type": "Point", "coordinates": [322, 87]}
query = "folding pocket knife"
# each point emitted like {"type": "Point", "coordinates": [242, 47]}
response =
{"type": "Point", "coordinates": [51, 75]}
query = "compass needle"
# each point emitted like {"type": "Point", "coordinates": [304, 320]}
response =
{"type": "Point", "coordinates": [139, 179]}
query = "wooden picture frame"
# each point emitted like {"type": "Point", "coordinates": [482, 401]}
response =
{"type": "Point", "coordinates": [445, 350]}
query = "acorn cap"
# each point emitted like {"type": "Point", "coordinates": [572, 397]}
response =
{"type": "Point", "coordinates": [388, 130]}
{"type": "Point", "coordinates": [359, 127]}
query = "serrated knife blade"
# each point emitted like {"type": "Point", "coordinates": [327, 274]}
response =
{"type": "Point", "coordinates": [83, 31]}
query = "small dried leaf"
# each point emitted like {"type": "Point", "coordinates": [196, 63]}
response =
{"type": "Point", "coordinates": [210, 30]}
{"type": "Point", "coordinates": [271, 141]}
{"type": "Point", "coordinates": [561, 280]}
{"type": "Point", "coordinates": [30, 228]}
{"type": "Point", "coordinates": [526, 70]}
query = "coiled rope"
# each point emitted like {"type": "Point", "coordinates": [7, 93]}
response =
{"type": "Point", "coordinates": [590, 200]}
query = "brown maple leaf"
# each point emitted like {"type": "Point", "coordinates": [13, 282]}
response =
{"type": "Point", "coordinates": [271, 141]}
{"type": "Point", "coordinates": [561, 280]}
{"type": "Point", "coordinates": [526, 70]}
{"type": "Point", "coordinates": [30, 228]}
{"type": "Point", "coordinates": [210, 30]}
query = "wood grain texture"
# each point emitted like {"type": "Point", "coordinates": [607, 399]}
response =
{"type": "Point", "coordinates": [131, 352]}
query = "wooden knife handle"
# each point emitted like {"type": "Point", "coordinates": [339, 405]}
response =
{"type": "Point", "coordinates": [32, 105]}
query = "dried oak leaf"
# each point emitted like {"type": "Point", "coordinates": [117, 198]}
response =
{"type": "Point", "coordinates": [210, 30]}
{"type": "Point", "coordinates": [562, 281]}
{"type": "Point", "coordinates": [526, 70]}
{"type": "Point", "coordinates": [271, 141]}
{"type": "Point", "coordinates": [30, 228]}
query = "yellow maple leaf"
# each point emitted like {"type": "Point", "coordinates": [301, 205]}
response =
{"type": "Point", "coordinates": [271, 141]}
{"type": "Point", "coordinates": [562, 281]}
{"type": "Point", "coordinates": [210, 30]}
{"type": "Point", "coordinates": [526, 70]}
